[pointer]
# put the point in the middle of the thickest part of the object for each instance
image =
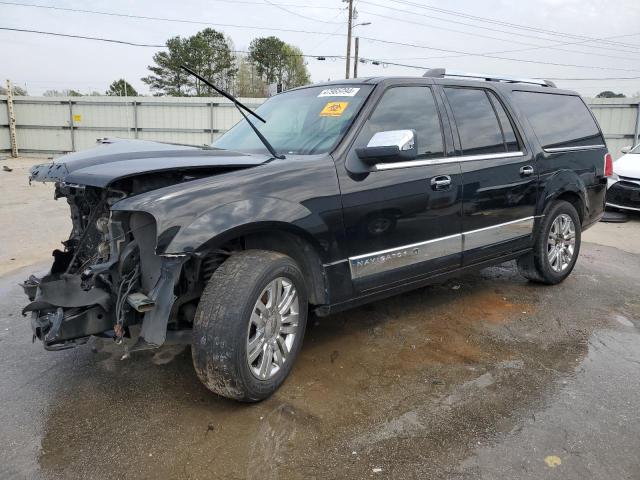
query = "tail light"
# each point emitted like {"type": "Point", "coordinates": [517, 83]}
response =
{"type": "Point", "coordinates": [608, 165]}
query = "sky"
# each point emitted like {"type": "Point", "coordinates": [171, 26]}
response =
{"type": "Point", "coordinates": [466, 37]}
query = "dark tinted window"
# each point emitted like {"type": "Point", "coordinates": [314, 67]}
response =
{"type": "Point", "coordinates": [510, 139]}
{"type": "Point", "coordinates": [478, 126]}
{"type": "Point", "coordinates": [408, 108]}
{"type": "Point", "coordinates": [559, 120]}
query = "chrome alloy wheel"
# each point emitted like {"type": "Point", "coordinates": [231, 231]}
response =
{"type": "Point", "coordinates": [561, 243]}
{"type": "Point", "coordinates": [272, 328]}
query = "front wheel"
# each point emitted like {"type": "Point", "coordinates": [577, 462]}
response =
{"type": "Point", "coordinates": [556, 246]}
{"type": "Point", "coordinates": [249, 325]}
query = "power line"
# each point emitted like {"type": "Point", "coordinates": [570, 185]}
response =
{"type": "Point", "coordinates": [424, 68]}
{"type": "Point", "coordinates": [100, 39]}
{"type": "Point", "coordinates": [485, 55]}
{"type": "Point", "coordinates": [493, 29]}
{"type": "Point", "coordinates": [165, 19]}
{"type": "Point", "coordinates": [509, 40]}
{"type": "Point", "coordinates": [284, 9]}
{"type": "Point", "coordinates": [391, 42]}
{"type": "Point", "coordinates": [243, 2]}
{"type": "Point", "coordinates": [124, 42]}
{"type": "Point", "coordinates": [508, 24]}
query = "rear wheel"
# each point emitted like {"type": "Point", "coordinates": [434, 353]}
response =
{"type": "Point", "coordinates": [249, 325]}
{"type": "Point", "coordinates": [556, 246]}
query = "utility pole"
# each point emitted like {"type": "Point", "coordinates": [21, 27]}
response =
{"type": "Point", "coordinates": [355, 59]}
{"type": "Point", "coordinates": [349, 38]}
{"type": "Point", "coordinates": [12, 120]}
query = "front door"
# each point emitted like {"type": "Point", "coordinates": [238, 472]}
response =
{"type": "Point", "coordinates": [402, 219]}
{"type": "Point", "coordinates": [499, 176]}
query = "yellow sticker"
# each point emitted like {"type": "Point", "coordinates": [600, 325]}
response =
{"type": "Point", "coordinates": [552, 461]}
{"type": "Point", "coordinates": [334, 109]}
{"type": "Point", "coordinates": [77, 118]}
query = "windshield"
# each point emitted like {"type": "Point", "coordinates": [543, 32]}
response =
{"type": "Point", "coordinates": [304, 122]}
{"type": "Point", "coordinates": [635, 149]}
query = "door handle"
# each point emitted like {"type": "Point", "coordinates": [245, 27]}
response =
{"type": "Point", "coordinates": [441, 183]}
{"type": "Point", "coordinates": [526, 170]}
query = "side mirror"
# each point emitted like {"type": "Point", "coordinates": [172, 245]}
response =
{"type": "Point", "coordinates": [389, 146]}
{"type": "Point", "coordinates": [626, 149]}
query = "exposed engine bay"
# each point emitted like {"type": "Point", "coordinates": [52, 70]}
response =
{"type": "Point", "coordinates": [107, 280]}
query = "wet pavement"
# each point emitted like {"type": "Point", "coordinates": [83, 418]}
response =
{"type": "Point", "coordinates": [486, 376]}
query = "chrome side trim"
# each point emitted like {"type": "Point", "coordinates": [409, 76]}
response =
{"type": "Point", "coordinates": [391, 259]}
{"type": "Point", "coordinates": [407, 255]}
{"type": "Point", "coordinates": [502, 232]}
{"type": "Point", "coordinates": [437, 161]}
{"type": "Point", "coordinates": [337, 262]}
{"type": "Point", "coordinates": [621, 207]}
{"type": "Point", "coordinates": [571, 149]}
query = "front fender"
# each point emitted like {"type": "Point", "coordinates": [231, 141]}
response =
{"type": "Point", "coordinates": [244, 216]}
{"type": "Point", "coordinates": [300, 194]}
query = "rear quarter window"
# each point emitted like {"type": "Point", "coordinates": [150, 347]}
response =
{"type": "Point", "coordinates": [559, 121]}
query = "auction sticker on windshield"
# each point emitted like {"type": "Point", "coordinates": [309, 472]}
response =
{"type": "Point", "coordinates": [334, 109]}
{"type": "Point", "coordinates": [339, 92]}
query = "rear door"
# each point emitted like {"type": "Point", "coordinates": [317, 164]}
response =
{"type": "Point", "coordinates": [400, 223]}
{"type": "Point", "coordinates": [499, 175]}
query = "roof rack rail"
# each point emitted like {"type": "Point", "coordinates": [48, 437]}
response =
{"type": "Point", "coordinates": [442, 73]}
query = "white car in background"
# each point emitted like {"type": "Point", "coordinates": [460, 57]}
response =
{"type": "Point", "coordinates": [623, 189]}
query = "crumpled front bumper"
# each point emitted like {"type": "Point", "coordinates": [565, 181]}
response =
{"type": "Point", "coordinates": [63, 314]}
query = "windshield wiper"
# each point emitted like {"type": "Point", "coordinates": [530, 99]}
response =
{"type": "Point", "coordinates": [240, 106]}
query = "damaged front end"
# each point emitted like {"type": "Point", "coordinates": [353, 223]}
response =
{"type": "Point", "coordinates": [107, 281]}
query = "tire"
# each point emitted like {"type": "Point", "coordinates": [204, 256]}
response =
{"type": "Point", "coordinates": [542, 264]}
{"type": "Point", "coordinates": [236, 307]}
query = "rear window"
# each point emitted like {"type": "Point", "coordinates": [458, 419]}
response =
{"type": "Point", "coordinates": [478, 127]}
{"type": "Point", "coordinates": [559, 121]}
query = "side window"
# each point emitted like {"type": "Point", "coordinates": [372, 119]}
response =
{"type": "Point", "coordinates": [559, 120]}
{"type": "Point", "coordinates": [407, 108]}
{"type": "Point", "coordinates": [478, 126]}
{"type": "Point", "coordinates": [510, 139]}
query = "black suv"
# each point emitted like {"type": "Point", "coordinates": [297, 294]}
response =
{"type": "Point", "coordinates": [338, 194]}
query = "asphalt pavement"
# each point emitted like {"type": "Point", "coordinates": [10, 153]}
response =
{"type": "Point", "coordinates": [486, 376]}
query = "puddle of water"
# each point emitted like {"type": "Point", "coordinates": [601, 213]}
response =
{"type": "Point", "coordinates": [588, 428]}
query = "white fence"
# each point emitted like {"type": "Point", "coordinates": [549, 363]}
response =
{"type": "Point", "coordinates": [65, 124]}
{"type": "Point", "coordinates": [619, 119]}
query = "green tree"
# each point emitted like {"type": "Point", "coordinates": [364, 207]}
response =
{"type": "Point", "coordinates": [267, 55]}
{"type": "Point", "coordinates": [610, 94]}
{"type": "Point", "coordinates": [167, 77]}
{"type": "Point", "coordinates": [121, 88]}
{"type": "Point", "coordinates": [208, 52]}
{"type": "Point", "coordinates": [278, 62]}
{"type": "Point", "coordinates": [295, 72]}
{"type": "Point", "coordinates": [248, 82]}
